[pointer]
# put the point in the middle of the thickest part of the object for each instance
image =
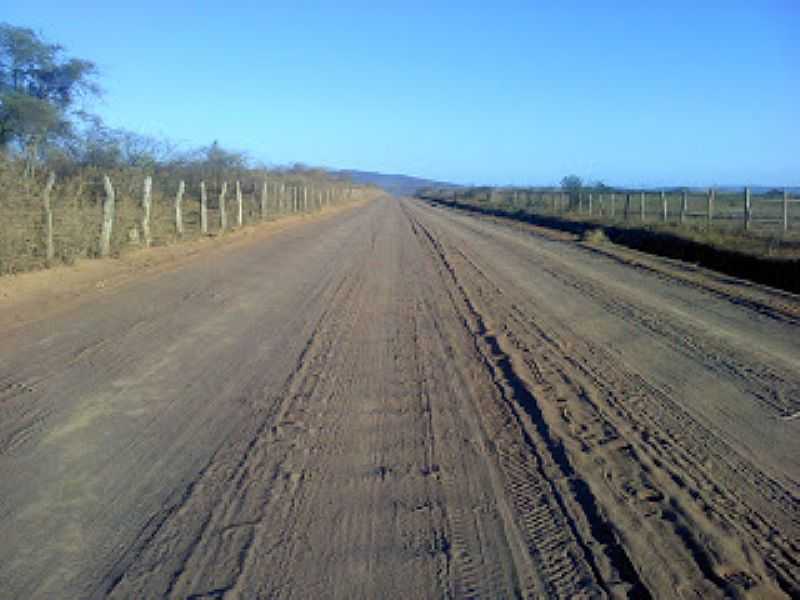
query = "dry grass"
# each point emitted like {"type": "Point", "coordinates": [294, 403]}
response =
{"type": "Point", "coordinates": [771, 258]}
{"type": "Point", "coordinates": [766, 243]}
{"type": "Point", "coordinates": [595, 236]}
{"type": "Point", "coordinates": [766, 237]}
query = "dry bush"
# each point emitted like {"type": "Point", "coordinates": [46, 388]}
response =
{"type": "Point", "coordinates": [595, 236]}
{"type": "Point", "coordinates": [76, 202]}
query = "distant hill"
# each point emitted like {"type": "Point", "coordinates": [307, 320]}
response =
{"type": "Point", "coordinates": [397, 185]}
{"type": "Point", "coordinates": [406, 185]}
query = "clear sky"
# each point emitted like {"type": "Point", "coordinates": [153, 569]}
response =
{"type": "Point", "coordinates": [629, 92]}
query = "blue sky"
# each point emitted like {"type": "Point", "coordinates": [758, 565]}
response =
{"type": "Point", "coordinates": [629, 92]}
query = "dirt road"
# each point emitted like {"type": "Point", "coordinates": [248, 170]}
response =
{"type": "Point", "coordinates": [401, 401]}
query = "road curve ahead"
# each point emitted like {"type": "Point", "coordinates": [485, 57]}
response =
{"type": "Point", "coordinates": [402, 401]}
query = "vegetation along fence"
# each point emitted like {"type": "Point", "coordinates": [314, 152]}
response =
{"type": "Point", "coordinates": [44, 221]}
{"type": "Point", "coordinates": [767, 213]}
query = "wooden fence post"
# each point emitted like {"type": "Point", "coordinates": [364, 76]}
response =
{"type": "Point", "coordinates": [627, 207]}
{"type": "Point", "coordinates": [264, 200]}
{"type": "Point", "coordinates": [108, 217]}
{"type": "Point", "coordinates": [305, 198]}
{"type": "Point", "coordinates": [613, 207]}
{"type": "Point", "coordinates": [664, 213]}
{"type": "Point", "coordinates": [785, 210]}
{"type": "Point", "coordinates": [710, 208]}
{"type": "Point", "coordinates": [147, 198]}
{"type": "Point", "coordinates": [48, 219]}
{"type": "Point", "coordinates": [178, 209]}
{"type": "Point", "coordinates": [203, 209]}
{"type": "Point", "coordinates": [590, 204]}
{"type": "Point", "coordinates": [239, 211]}
{"type": "Point", "coordinates": [748, 209]}
{"type": "Point", "coordinates": [223, 215]}
{"type": "Point", "coordinates": [684, 206]}
{"type": "Point", "coordinates": [641, 206]}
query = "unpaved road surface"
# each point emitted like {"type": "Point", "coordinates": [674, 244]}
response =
{"type": "Point", "coordinates": [401, 401]}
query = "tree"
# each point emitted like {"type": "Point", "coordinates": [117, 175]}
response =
{"type": "Point", "coordinates": [219, 163]}
{"type": "Point", "coordinates": [572, 183]}
{"type": "Point", "coordinates": [600, 186]}
{"type": "Point", "coordinates": [39, 90]}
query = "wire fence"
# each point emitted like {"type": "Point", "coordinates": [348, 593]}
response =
{"type": "Point", "coordinates": [769, 214]}
{"type": "Point", "coordinates": [49, 221]}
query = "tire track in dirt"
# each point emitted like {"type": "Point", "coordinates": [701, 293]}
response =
{"type": "Point", "coordinates": [551, 368]}
{"type": "Point", "coordinates": [392, 411]}
{"type": "Point", "coordinates": [776, 387]}
{"type": "Point", "coordinates": [212, 506]}
{"type": "Point", "coordinates": [566, 561]}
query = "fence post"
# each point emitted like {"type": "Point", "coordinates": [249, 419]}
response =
{"type": "Point", "coordinates": [664, 209]}
{"type": "Point", "coordinates": [203, 209]}
{"type": "Point", "coordinates": [305, 198]}
{"type": "Point", "coordinates": [48, 219]}
{"type": "Point", "coordinates": [178, 207]}
{"type": "Point", "coordinates": [590, 204]}
{"type": "Point", "coordinates": [147, 198]}
{"type": "Point", "coordinates": [748, 209]}
{"type": "Point", "coordinates": [108, 217]}
{"type": "Point", "coordinates": [684, 206]}
{"type": "Point", "coordinates": [710, 208]}
{"type": "Point", "coordinates": [264, 200]}
{"type": "Point", "coordinates": [223, 216]}
{"type": "Point", "coordinates": [627, 207]}
{"type": "Point", "coordinates": [612, 207]}
{"type": "Point", "coordinates": [785, 210]}
{"type": "Point", "coordinates": [239, 215]}
{"type": "Point", "coordinates": [641, 206]}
